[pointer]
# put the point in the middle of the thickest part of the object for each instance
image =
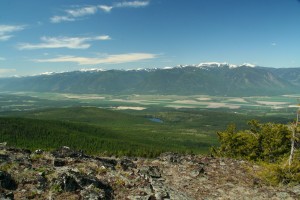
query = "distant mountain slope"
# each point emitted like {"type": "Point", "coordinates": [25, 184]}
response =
{"type": "Point", "coordinates": [291, 74]}
{"type": "Point", "coordinates": [212, 79]}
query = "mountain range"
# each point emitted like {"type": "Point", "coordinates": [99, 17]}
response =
{"type": "Point", "coordinates": [206, 78]}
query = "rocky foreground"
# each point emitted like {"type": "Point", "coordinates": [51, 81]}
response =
{"type": "Point", "coordinates": [68, 174]}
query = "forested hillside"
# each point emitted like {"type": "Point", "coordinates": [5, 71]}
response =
{"type": "Point", "coordinates": [222, 80]}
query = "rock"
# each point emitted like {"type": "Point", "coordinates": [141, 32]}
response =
{"type": "Point", "coordinates": [92, 193]}
{"type": "Point", "coordinates": [7, 196]}
{"type": "Point", "coordinates": [68, 183]}
{"type": "Point", "coordinates": [64, 152]}
{"type": "Point", "coordinates": [7, 182]}
{"type": "Point", "coordinates": [69, 174]}
{"type": "Point", "coordinates": [147, 197]}
{"type": "Point", "coordinates": [108, 163]}
{"type": "Point", "coordinates": [150, 172]}
{"type": "Point", "coordinates": [4, 157]}
{"type": "Point", "coordinates": [154, 172]}
{"type": "Point", "coordinates": [126, 164]}
{"type": "Point", "coordinates": [38, 151]}
{"type": "Point", "coordinates": [162, 195]}
{"type": "Point", "coordinates": [71, 181]}
{"type": "Point", "coordinates": [198, 171]}
{"type": "Point", "coordinates": [282, 195]}
{"type": "Point", "coordinates": [170, 157]}
{"type": "Point", "coordinates": [59, 162]}
{"type": "Point", "coordinates": [41, 182]}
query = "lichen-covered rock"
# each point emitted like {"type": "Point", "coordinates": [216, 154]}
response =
{"type": "Point", "coordinates": [170, 157]}
{"type": "Point", "coordinates": [4, 157]}
{"type": "Point", "coordinates": [93, 193]}
{"type": "Point", "coordinates": [107, 162]}
{"type": "Point", "coordinates": [7, 196]}
{"type": "Point", "coordinates": [59, 162]}
{"type": "Point", "coordinates": [127, 164]}
{"type": "Point", "coordinates": [65, 151]}
{"type": "Point", "coordinates": [150, 172]}
{"type": "Point", "coordinates": [6, 181]}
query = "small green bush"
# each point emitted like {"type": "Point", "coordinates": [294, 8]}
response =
{"type": "Point", "coordinates": [268, 144]}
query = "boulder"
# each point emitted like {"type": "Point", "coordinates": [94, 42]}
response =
{"type": "Point", "coordinates": [65, 151]}
{"type": "Point", "coordinates": [67, 183]}
{"type": "Point", "coordinates": [7, 182]}
{"type": "Point", "coordinates": [150, 172]}
{"type": "Point", "coordinates": [7, 196]}
{"type": "Point", "coordinates": [127, 164]}
{"type": "Point", "coordinates": [170, 157]}
{"type": "Point", "coordinates": [107, 162]}
{"type": "Point", "coordinates": [71, 181]}
{"type": "Point", "coordinates": [59, 162]}
{"type": "Point", "coordinates": [92, 193]}
{"type": "Point", "coordinates": [4, 157]}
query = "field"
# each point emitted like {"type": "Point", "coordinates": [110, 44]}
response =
{"type": "Point", "coordinates": [140, 125]}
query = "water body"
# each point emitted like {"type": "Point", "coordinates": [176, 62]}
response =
{"type": "Point", "coordinates": [157, 120]}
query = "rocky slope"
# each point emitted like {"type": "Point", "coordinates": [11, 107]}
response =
{"type": "Point", "coordinates": [68, 174]}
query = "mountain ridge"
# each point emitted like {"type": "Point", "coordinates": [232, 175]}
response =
{"type": "Point", "coordinates": [205, 78]}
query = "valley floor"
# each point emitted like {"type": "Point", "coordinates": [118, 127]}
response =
{"type": "Point", "coordinates": [68, 174]}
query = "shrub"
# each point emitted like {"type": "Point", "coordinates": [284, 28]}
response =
{"type": "Point", "coordinates": [266, 142]}
{"type": "Point", "coordinates": [269, 144]}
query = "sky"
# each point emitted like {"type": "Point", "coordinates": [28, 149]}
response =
{"type": "Point", "coordinates": [66, 35]}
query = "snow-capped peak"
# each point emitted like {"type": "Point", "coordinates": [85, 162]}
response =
{"type": "Point", "coordinates": [47, 73]}
{"type": "Point", "coordinates": [248, 65]}
{"type": "Point", "coordinates": [224, 64]}
{"type": "Point", "coordinates": [92, 70]}
{"type": "Point", "coordinates": [212, 64]}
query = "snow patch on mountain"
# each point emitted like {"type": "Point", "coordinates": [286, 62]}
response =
{"type": "Point", "coordinates": [47, 73]}
{"type": "Point", "coordinates": [208, 65]}
{"type": "Point", "coordinates": [224, 64]}
{"type": "Point", "coordinates": [92, 70]}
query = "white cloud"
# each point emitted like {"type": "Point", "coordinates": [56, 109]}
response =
{"type": "Point", "coordinates": [109, 59]}
{"type": "Point", "coordinates": [134, 4]}
{"type": "Point", "coordinates": [105, 8]}
{"type": "Point", "coordinates": [7, 30]}
{"type": "Point", "coordinates": [274, 44]}
{"type": "Point", "coordinates": [2, 59]}
{"type": "Point", "coordinates": [75, 14]}
{"type": "Point", "coordinates": [63, 42]}
{"type": "Point", "coordinates": [80, 12]}
{"type": "Point", "coordinates": [58, 19]}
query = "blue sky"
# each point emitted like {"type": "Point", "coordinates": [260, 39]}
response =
{"type": "Point", "coordinates": [65, 35]}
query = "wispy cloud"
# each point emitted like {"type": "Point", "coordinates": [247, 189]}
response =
{"type": "Point", "coordinates": [78, 13]}
{"type": "Point", "coordinates": [2, 59]}
{"type": "Point", "coordinates": [109, 59]}
{"type": "Point", "coordinates": [63, 42]}
{"type": "Point", "coordinates": [58, 19]}
{"type": "Point", "coordinates": [274, 44]}
{"type": "Point", "coordinates": [134, 4]}
{"type": "Point", "coordinates": [74, 14]}
{"type": "Point", "coordinates": [105, 8]}
{"type": "Point", "coordinates": [7, 30]}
